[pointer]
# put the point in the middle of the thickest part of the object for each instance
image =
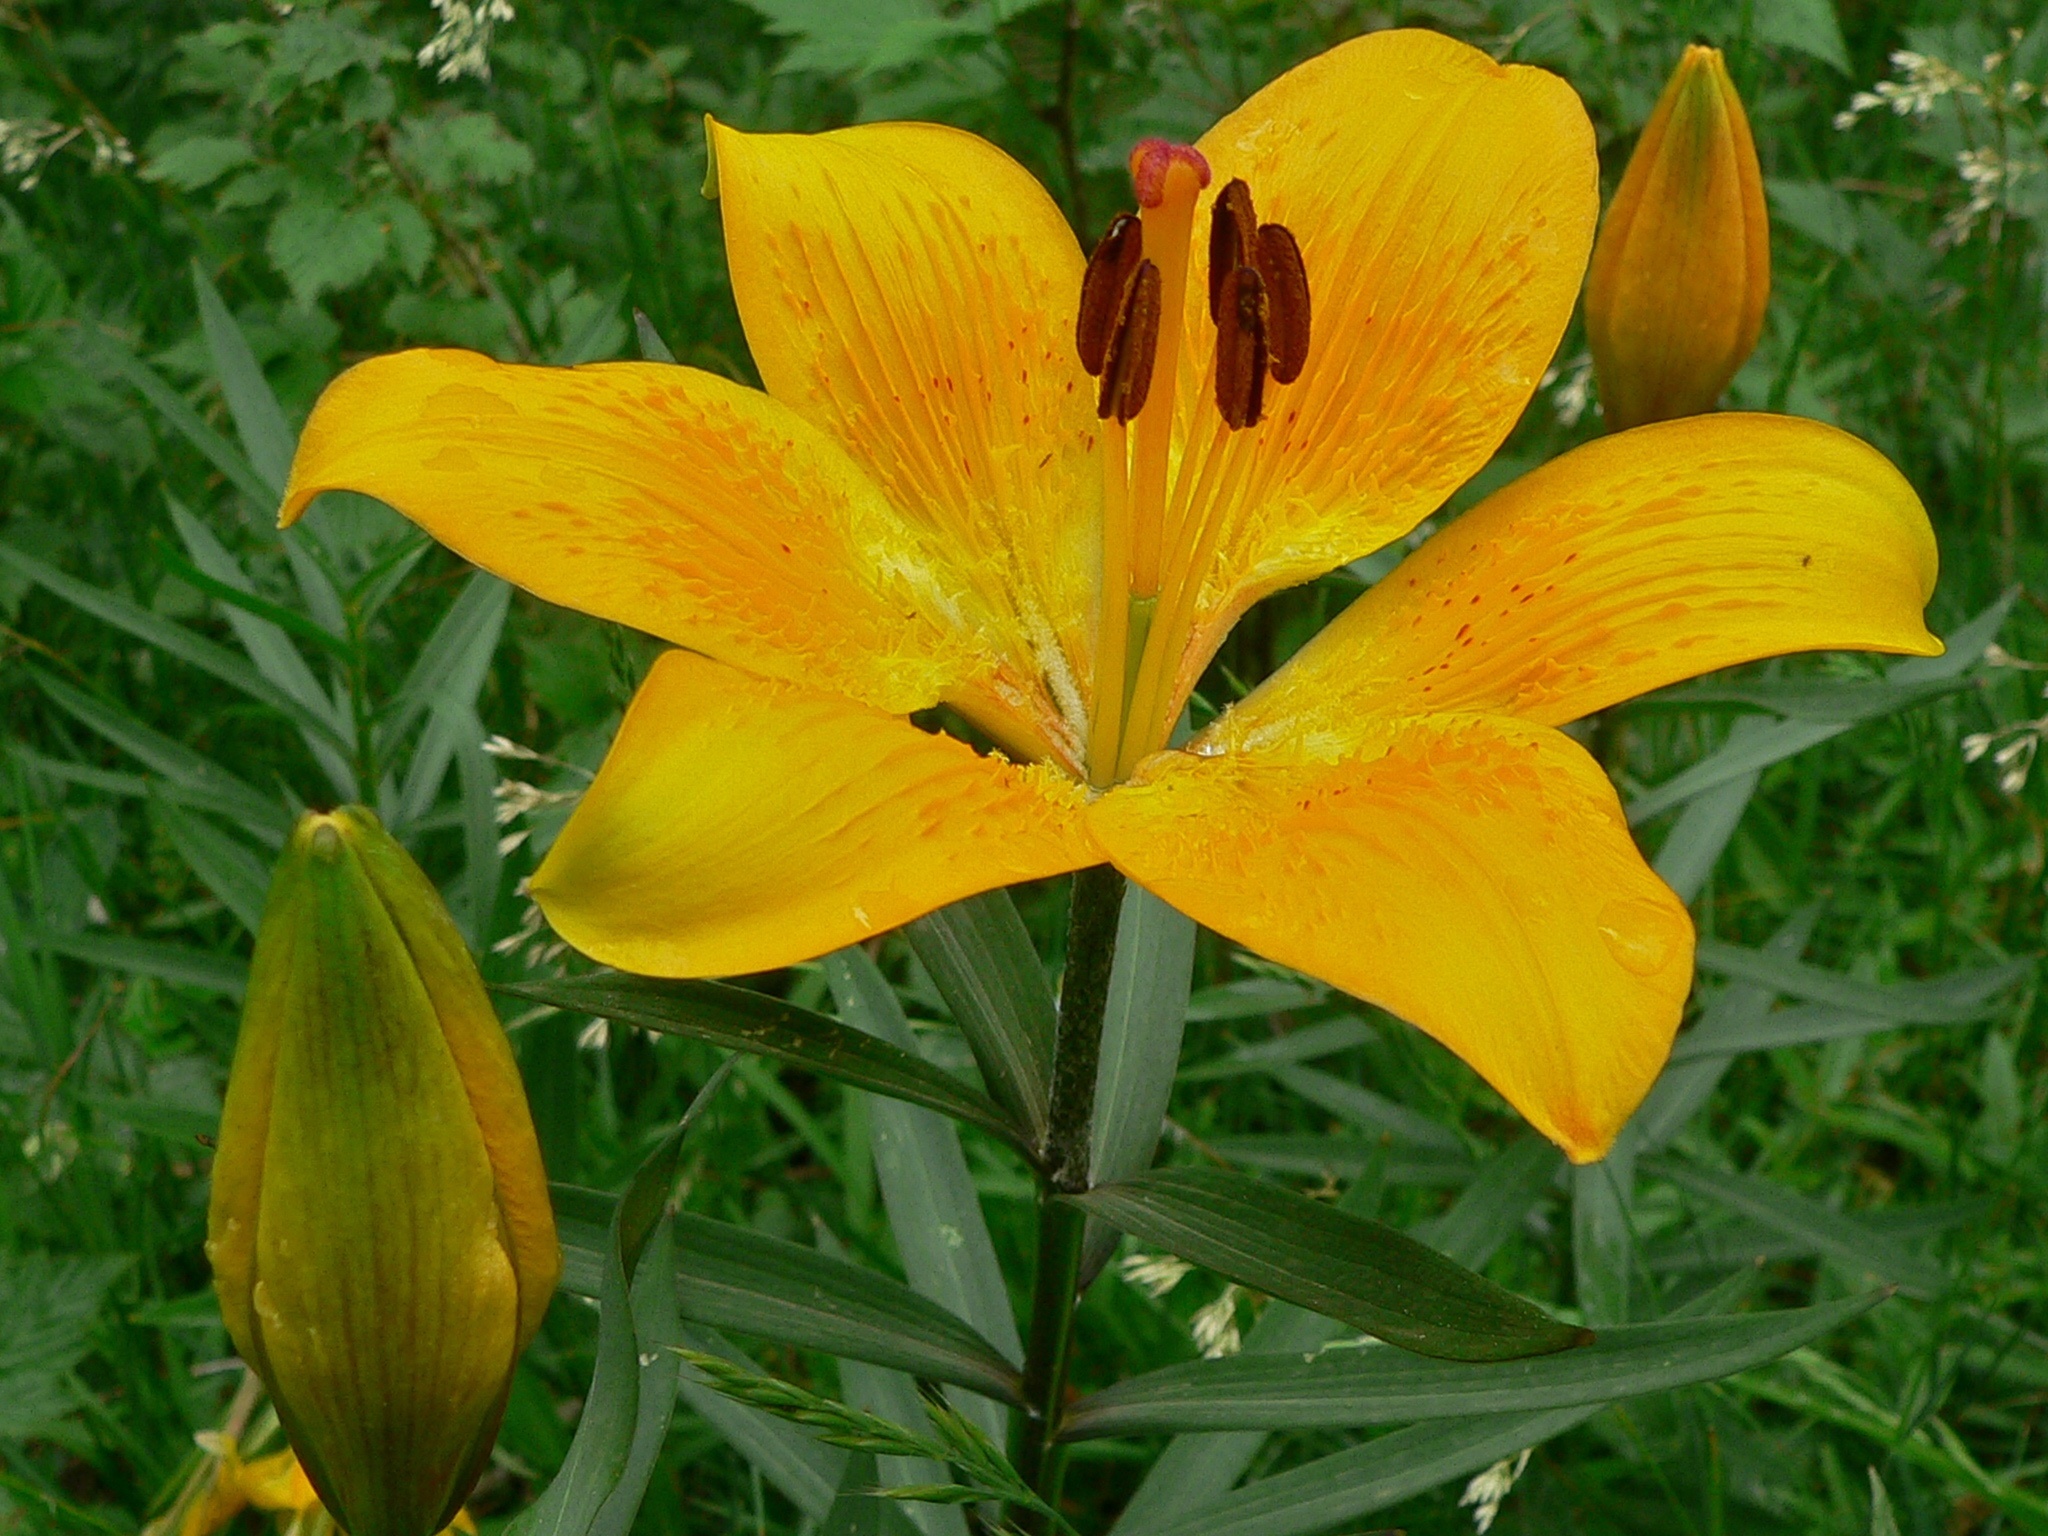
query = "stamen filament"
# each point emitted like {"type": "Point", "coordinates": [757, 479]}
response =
{"type": "Point", "coordinates": [1112, 666]}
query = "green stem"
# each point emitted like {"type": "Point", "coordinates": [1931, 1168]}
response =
{"type": "Point", "coordinates": [1084, 993]}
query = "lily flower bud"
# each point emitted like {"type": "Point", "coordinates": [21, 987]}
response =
{"type": "Point", "coordinates": [1682, 270]}
{"type": "Point", "coordinates": [380, 1231]}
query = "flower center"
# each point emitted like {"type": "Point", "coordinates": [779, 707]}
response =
{"type": "Point", "coordinates": [1129, 332]}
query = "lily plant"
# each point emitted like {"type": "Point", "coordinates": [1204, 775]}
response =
{"type": "Point", "coordinates": [942, 589]}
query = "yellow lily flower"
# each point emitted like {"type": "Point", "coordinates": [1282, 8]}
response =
{"type": "Point", "coordinates": [992, 473]}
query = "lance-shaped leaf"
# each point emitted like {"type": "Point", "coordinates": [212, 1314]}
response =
{"type": "Point", "coordinates": [980, 957]}
{"type": "Point", "coordinates": [732, 1278]}
{"type": "Point", "coordinates": [1954, 999]}
{"type": "Point", "coordinates": [1360, 1272]}
{"type": "Point", "coordinates": [1332, 1490]}
{"type": "Point", "coordinates": [1350, 1387]}
{"type": "Point", "coordinates": [618, 1436]}
{"type": "Point", "coordinates": [740, 1020]}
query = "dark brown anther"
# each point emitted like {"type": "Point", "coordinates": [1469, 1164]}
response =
{"type": "Point", "coordinates": [1110, 270]}
{"type": "Point", "coordinates": [1133, 344]}
{"type": "Point", "coordinates": [1233, 239]}
{"type": "Point", "coordinates": [1242, 322]}
{"type": "Point", "coordinates": [1286, 280]}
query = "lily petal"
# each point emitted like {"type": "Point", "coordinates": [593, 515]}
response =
{"type": "Point", "coordinates": [1444, 205]}
{"type": "Point", "coordinates": [1472, 875]}
{"type": "Point", "coordinates": [910, 290]}
{"type": "Point", "coordinates": [1632, 562]}
{"type": "Point", "coordinates": [740, 824]}
{"type": "Point", "coordinates": [658, 496]}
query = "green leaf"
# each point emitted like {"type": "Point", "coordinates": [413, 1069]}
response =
{"type": "Point", "coordinates": [1141, 1033]}
{"type": "Point", "coordinates": [1696, 840]}
{"type": "Point", "coordinates": [1857, 1246]}
{"type": "Point", "coordinates": [613, 1434]}
{"type": "Point", "coordinates": [109, 353]}
{"type": "Point", "coordinates": [1142, 1026]}
{"type": "Point", "coordinates": [1809, 26]}
{"type": "Point", "coordinates": [172, 639]}
{"type": "Point", "coordinates": [196, 780]}
{"type": "Point", "coordinates": [981, 959]}
{"type": "Point", "coordinates": [198, 161]}
{"type": "Point", "coordinates": [1883, 1522]}
{"type": "Point", "coordinates": [857, 1512]}
{"type": "Point", "coordinates": [1955, 999]}
{"type": "Point", "coordinates": [48, 1305]}
{"type": "Point", "coordinates": [1360, 1272]}
{"type": "Point", "coordinates": [1371, 1112]}
{"type": "Point", "coordinates": [1196, 1470]}
{"type": "Point", "coordinates": [1904, 685]}
{"type": "Point", "coordinates": [318, 246]}
{"type": "Point", "coordinates": [1685, 1085]}
{"type": "Point", "coordinates": [748, 1282]}
{"type": "Point", "coordinates": [1348, 1388]}
{"type": "Point", "coordinates": [934, 1212]}
{"type": "Point", "coordinates": [1342, 1157]}
{"type": "Point", "coordinates": [1816, 210]}
{"type": "Point", "coordinates": [259, 420]}
{"type": "Point", "coordinates": [740, 1020]}
{"type": "Point", "coordinates": [451, 666]}
{"type": "Point", "coordinates": [223, 863]}
{"type": "Point", "coordinates": [175, 963]}
{"type": "Point", "coordinates": [264, 637]}
{"type": "Point", "coordinates": [804, 1468]}
{"type": "Point", "coordinates": [1290, 1049]}
{"type": "Point", "coordinates": [1252, 998]}
{"type": "Point", "coordinates": [652, 348]}
{"type": "Point", "coordinates": [1335, 1489]}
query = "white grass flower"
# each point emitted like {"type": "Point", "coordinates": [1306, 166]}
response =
{"type": "Point", "coordinates": [1490, 1489]}
{"type": "Point", "coordinates": [1153, 1273]}
{"type": "Point", "coordinates": [1215, 1326]}
{"type": "Point", "coordinates": [463, 45]}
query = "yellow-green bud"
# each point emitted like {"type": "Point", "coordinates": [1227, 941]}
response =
{"type": "Point", "coordinates": [380, 1231]}
{"type": "Point", "coordinates": [1681, 274]}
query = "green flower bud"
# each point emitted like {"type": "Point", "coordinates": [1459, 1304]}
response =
{"type": "Point", "coordinates": [380, 1231]}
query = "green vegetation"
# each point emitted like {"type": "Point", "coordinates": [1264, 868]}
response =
{"type": "Point", "coordinates": [208, 207]}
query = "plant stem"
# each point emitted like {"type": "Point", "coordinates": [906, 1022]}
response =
{"type": "Point", "coordinates": [1084, 993]}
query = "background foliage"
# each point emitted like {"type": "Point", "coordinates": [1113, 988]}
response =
{"type": "Point", "coordinates": [210, 206]}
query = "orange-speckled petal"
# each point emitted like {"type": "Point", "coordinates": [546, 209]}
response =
{"type": "Point", "coordinates": [911, 290]}
{"type": "Point", "coordinates": [740, 824]}
{"type": "Point", "coordinates": [663, 498]}
{"type": "Point", "coordinates": [1632, 562]}
{"type": "Point", "coordinates": [1444, 205]}
{"type": "Point", "coordinates": [1473, 876]}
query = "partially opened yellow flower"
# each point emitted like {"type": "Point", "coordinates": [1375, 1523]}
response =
{"type": "Point", "coordinates": [969, 483]}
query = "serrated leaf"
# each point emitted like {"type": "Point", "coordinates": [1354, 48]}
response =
{"type": "Point", "coordinates": [319, 247]}
{"type": "Point", "coordinates": [1810, 26]}
{"type": "Point", "coordinates": [198, 161]}
{"type": "Point", "coordinates": [740, 1020]}
{"type": "Point", "coordinates": [1350, 1388]}
{"type": "Point", "coordinates": [1360, 1272]}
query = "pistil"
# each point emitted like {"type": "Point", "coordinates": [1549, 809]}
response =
{"type": "Point", "coordinates": [1169, 178]}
